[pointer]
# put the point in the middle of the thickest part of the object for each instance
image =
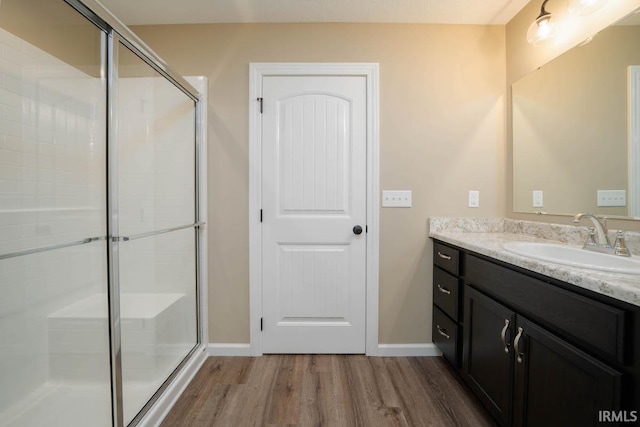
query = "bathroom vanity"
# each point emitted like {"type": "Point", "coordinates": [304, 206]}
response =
{"type": "Point", "coordinates": [537, 343]}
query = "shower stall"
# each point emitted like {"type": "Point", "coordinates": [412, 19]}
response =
{"type": "Point", "coordinates": [102, 210]}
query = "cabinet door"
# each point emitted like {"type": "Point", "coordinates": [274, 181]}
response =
{"type": "Point", "coordinates": [488, 354]}
{"type": "Point", "coordinates": [557, 384]}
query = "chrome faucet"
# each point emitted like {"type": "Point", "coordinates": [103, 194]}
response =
{"type": "Point", "coordinates": [598, 240]}
{"type": "Point", "coordinates": [600, 228]}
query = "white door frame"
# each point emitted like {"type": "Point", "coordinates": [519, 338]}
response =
{"type": "Point", "coordinates": [257, 72]}
{"type": "Point", "coordinates": [634, 141]}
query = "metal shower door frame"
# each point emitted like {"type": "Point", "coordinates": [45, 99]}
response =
{"type": "Point", "coordinates": [115, 33]}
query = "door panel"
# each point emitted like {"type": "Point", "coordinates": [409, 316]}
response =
{"type": "Point", "coordinates": [313, 194]}
{"type": "Point", "coordinates": [309, 284]}
{"type": "Point", "coordinates": [488, 360]}
{"type": "Point", "coordinates": [314, 157]}
{"type": "Point", "coordinates": [559, 385]}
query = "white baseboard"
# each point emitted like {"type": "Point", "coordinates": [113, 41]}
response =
{"type": "Point", "coordinates": [226, 349]}
{"type": "Point", "coordinates": [400, 350]}
{"type": "Point", "coordinates": [163, 405]}
{"type": "Point", "coordinates": [384, 350]}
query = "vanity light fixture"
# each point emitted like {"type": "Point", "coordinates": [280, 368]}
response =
{"type": "Point", "coordinates": [543, 28]}
{"type": "Point", "coordinates": [585, 7]}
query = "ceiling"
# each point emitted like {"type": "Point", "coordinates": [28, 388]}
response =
{"type": "Point", "coordinates": [149, 12]}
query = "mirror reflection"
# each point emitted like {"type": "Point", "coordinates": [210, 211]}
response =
{"type": "Point", "coordinates": [576, 129]}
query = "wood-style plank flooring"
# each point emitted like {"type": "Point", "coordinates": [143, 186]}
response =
{"type": "Point", "coordinates": [326, 390]}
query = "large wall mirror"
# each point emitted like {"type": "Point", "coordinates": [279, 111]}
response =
{"type": "Point", "coordinates": [576, 129]}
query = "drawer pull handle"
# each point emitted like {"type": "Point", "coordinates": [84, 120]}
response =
{"type": "Point", "coordinates": [444, 290]}
{"type": "Point", "coordinates": [443, 332]}
{"type": "Point", "coordinates": [516, 344]}
{"type": "Point", "coordinates": [443, 256]}
{"type": "Point", "coordinates": [503, 335]}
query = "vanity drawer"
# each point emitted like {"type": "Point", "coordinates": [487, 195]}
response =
{"type": "Point", "coordinates": [446, 292]}
{"type": "Point", "coordinates": [445, 336]}
{"type": "Point", "coordinates": [446, 258]}
{"type": "Point", "coordinates": [599, 326]}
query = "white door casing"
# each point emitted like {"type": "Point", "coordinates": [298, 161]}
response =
{"type": "Point", "coordinates": [312, 193]}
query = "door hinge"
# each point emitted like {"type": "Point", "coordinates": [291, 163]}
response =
{"type": "Point", "coordinates": [260, 101]}
{"type": "Point", "coordinates": [366, 228]}
{"type": "Point", "coordinates": [260, 215]}
{"type": "Point", "coordinates": [261, 323]}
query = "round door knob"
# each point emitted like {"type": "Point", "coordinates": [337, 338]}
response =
{"type": "Point", "coordinates": [357, 230]}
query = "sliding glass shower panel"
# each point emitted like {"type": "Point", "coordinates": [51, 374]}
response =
{"type": "Point", "coordinates": [158, 312]}
{"type": "Point", "coordinates": [156, 214]}
{"type": "Point", "coordinates": [54, 339]}
{"type": "Point", "coordinates": [156, 149]}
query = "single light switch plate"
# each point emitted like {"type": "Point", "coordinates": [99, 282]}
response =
{"type": "Point", "coordinates": [610, 198]}
{"type": "Point", "coordinates": [474, 198]}
{"type": "Point", "coordinates": [396, 199]}
{"type": "Point", "coordinates": [538, 200]}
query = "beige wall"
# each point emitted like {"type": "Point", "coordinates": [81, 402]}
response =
{"type": "Point", "coordinates": [441, 134]}
{"type": "Point", "coordinates": [522, 58]}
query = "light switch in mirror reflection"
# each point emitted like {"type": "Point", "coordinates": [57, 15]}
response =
{"type": "Point", "coordinates": [576, 127]}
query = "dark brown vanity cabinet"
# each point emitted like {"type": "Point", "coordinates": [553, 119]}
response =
{"type": "Point", "coordinates": [557, 384]}
{"type": "Point", "coordinates": [488, 354]}
{"type": "Point", "coordinates": [526, 376]}
{"type": "Point", "coordinates": [447, 302]}
{"type": "Point", "coordinates": [537, 351]}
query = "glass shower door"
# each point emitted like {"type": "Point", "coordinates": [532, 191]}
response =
{"type": "Point", "coordinates": [156, 198]}
{"type": "Point", "coordinates": [54, 334]}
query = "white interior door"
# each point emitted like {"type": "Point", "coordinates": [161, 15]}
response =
{"type": "Point", "coordinates": [313, 195]}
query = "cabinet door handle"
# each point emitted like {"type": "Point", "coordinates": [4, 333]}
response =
{"type": "Point", "coordinates": [444, 290]}
{"type": "Point", "coordinates": [503, 335]}
{"type": "Point", "coordinates": [442, 332]}
{"type": "Point", "coordinates": [443, 256]}
{"type": "Point", "coordinates": [516, 344]}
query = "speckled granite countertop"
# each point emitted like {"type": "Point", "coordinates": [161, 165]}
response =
{"type": "Point", "coordinates": [487, 235]}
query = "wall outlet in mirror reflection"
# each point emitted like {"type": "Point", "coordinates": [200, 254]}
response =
{"type": "Point", "coordinates": [538, 200]}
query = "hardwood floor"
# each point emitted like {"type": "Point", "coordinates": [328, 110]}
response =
{"type": "Point", "coordinates": [326, 390]}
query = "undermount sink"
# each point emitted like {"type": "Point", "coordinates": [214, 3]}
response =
{"type": "Point", "coordinates": [575, 257]}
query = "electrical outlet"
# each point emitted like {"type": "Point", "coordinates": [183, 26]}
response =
{"type": "Point", "coordinates": [396, 199]}
{"type": "Point", "coordinates": [538, 201]}
{"type": "Point", "coordinates": [474, 198]}
{"type": "Point", "coordinates": [609, 198]}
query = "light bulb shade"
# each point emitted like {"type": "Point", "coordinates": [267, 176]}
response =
{"type": "Point", "coordinates": [541, 31]}
{"type": "Point", "coordinates": [585, 7]}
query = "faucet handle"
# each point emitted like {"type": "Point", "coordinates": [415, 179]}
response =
{"type": "Point", "coordinates": [591, 238]}
{"type": "Point", "coordinates": [620, 245]}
